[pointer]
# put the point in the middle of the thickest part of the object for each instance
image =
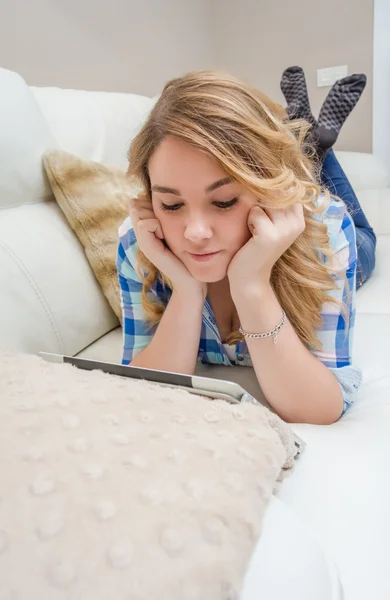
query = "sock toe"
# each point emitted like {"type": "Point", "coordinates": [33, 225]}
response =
{"type": "Point", "coordinates": [338, 104]}
{"type": "Point", "coordinates": [352, 83]}
{"type": "Point", "coordinates": [293, 86]}
{"type": "Point", "coordinates": [293, 70]}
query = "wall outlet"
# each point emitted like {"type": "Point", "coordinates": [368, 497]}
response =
{"type": "Point", "coordinates": [327, 77]}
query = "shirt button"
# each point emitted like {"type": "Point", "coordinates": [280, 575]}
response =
{"type": "Point", "coordinates": [240, 358]}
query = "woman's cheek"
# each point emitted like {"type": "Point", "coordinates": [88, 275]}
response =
{"type": "Point", "coordinates": [164, 222]}
{"type": "Point", "coordinates": [240, 233]}
{"type": "Point", "coordinates": [170, 233]}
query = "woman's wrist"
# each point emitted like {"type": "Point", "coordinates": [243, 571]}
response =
{"type": "Point", "coordinates": [259, 310]}
{"type": "Point", "coordinates": [192, 293]}
{"type": "Point", "coordinates": [251, 292]}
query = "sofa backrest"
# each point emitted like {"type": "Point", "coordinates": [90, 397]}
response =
{"type": "Point", "coordinates": [49, 298]}
{"type": "Point", "coordinates": [93, 125]}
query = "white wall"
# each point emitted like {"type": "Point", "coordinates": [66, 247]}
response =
{"type": "Point", "coordinates": [381, 106]}
{"type": "Point", "coordinates": [112, 45]}
{"type": "Point", "coordinates": [137, 45]}
{"type": "Point", "coordinates": [258, 39]}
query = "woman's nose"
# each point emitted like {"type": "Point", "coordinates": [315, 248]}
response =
{"type": "Point", "coordinates": [198, 228]}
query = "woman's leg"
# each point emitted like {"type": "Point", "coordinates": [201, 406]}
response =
{"type": "Point", "coordinates": [339, 102]}
{"type": "Point", "coordinates": [365, 256]}
{"type": "Point", "coordinates": [336, 181]}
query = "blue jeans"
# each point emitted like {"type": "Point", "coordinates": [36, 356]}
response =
{"type": "Point", "coordinates": [336, 181]}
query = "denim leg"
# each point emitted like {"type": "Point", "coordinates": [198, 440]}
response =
{"type": "Point", "coordinates": [365, 256]}
{"type": "Point", "coordinates": [336, 181]}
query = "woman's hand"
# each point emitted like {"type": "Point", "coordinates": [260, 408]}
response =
{"type": "Point", "coordinates": [273, 231]}
{"type": "Point", "coordinates": [150, 237]}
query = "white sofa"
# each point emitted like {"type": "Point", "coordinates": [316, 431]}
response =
{"type": "Point", "coordinates": [327, 533]}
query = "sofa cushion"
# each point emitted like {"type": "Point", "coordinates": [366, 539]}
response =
{"type": "Point", "coordinates": [49, 299]}
{"type": "Point", "coordinates": [365, 171]}
{"type": "Point", "coordinates": [95, 201]}
{"type": "Point", "coordinates": [96, 126]}
{"type": "Point", "coordinates": [25, 135]}
{"type": "Point", "coordinates": [109, 480]}
{"type": "Point", "coordinates": [341, 489]}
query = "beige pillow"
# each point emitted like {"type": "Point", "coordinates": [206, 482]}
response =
{"type": "Point", "coordinates": [122, 489]}
{"type": "Point", "coordinates": [94, 199]}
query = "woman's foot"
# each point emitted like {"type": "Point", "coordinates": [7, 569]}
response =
{"type": "Point", "coordinates": [338, 104]}
{"type": "Point", "coordinates": [293, 86]}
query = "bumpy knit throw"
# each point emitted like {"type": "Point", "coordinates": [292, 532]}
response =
{"type": "Point", "coordinates": [117, 489]}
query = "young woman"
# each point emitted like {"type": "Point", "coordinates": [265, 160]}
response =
{"type": "Point", "coordinates": [233, 254]}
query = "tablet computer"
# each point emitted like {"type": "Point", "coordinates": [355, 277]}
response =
{"type": "Point", "coordinates": [206, 386]}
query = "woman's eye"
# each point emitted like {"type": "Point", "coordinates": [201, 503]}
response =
{"type": "Point", "coordinates": [225, 205]}
{"type": "Point", "coordinates": [220, 205]}
{"type": "Point", "coordinates": [170, 207]}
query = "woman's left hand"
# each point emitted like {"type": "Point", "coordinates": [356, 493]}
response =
{"type": "Point", "coordinates": [273, 231]}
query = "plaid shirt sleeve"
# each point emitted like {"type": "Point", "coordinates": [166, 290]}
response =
{"type": "Point", "coordinates": [336, 339]}
{"type": "Point", "coordinates": [136, 335]}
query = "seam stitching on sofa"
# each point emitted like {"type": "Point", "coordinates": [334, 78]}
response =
{"type": "Point", "coordinates": [44, 200]}
{"type": "Point", "coordinates": [38, 293]}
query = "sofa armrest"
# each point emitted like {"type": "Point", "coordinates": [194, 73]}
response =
{"type": "Point", "coordinates": [365, 171]}
{"type": "Point", "coordinates": [370, 179]}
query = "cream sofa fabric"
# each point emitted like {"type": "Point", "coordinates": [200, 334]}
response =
{"type": "Point", "coordinates": [329, 524]}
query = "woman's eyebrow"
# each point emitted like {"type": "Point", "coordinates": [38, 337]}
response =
{"type": "Point", "coordinates": [218, 184]}
{"type": "Point", "coordinates": [213, 186]}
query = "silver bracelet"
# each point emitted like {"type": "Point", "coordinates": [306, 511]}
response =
{"type": "Point", "coordinates": [273, 332]}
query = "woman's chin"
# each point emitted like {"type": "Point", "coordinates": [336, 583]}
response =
{"type": "Point", "coordinates": [211, 277]}
{"type": "Point", "coordinates": [208, 270]}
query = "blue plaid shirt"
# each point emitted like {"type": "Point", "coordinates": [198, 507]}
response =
{"type": "Point", "coordinates": [337, 348]}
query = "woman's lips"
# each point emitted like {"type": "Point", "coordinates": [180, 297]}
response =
{"type": "Point", "coordinates": [203, 257]}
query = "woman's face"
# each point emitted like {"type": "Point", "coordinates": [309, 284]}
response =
{"type": "Point", "coordinates": [200, 211]}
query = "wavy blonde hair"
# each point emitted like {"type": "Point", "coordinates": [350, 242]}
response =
{"type": "Point", "coordinates": [255, 143]}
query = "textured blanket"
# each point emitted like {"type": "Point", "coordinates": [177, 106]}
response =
{"type": "Point", "coordinates": [117, 489]}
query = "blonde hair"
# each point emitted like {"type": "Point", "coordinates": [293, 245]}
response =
{"type": "Point", "coordinates": [255, 143]}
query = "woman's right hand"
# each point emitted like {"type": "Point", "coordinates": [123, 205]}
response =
{"type": "Point", "coordinates": [149, 236]}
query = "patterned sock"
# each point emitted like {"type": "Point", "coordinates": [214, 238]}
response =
{"type": "Point", "coordinates": [341, 99]}
{"type": "Point", "coordinates": [293, 86]}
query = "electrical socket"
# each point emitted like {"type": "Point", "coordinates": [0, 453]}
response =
{"type": "Point", "coordinates": [327, 77]}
